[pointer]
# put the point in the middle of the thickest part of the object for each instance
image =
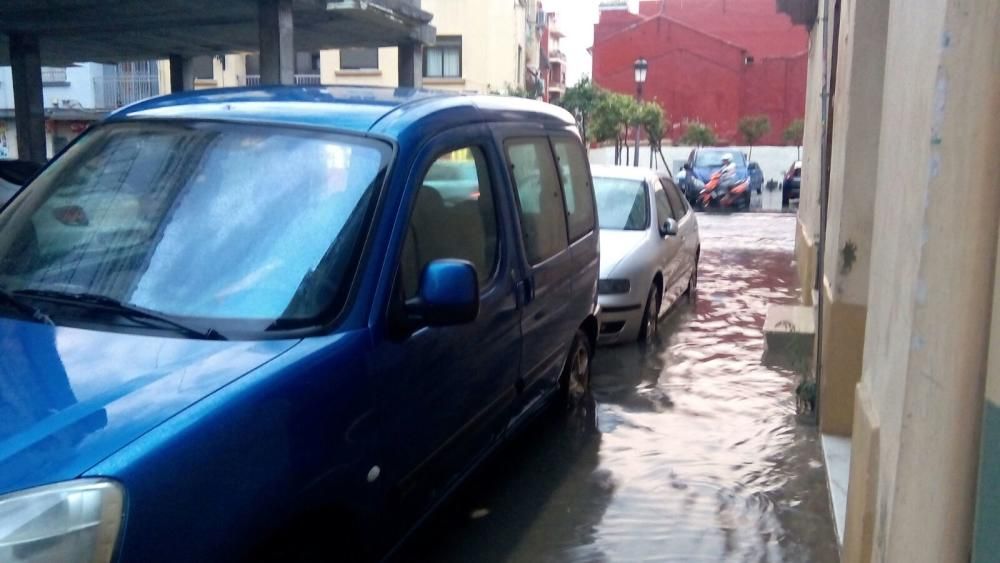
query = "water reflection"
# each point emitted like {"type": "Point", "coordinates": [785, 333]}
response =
{"type": "Point", "coordinates": [697, 456]}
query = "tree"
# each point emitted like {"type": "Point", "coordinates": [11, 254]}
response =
{"type": "Point", "coordinates": [752, 128]}
{"type": "Point", "coordinates": [612, 116]}
{"type": "Point", "coordinates": [581, 100]}
{"type": "Point", "coordinates": [698, 134]}
{"type": "Point", "coordinates": [793, 133]}
{"type": "Point", "coordinates": [653, 122]}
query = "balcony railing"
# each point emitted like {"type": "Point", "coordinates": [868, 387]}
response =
{"type": "Point", "coordinates": [300, 80]}
{"type": "Point", "coordinates": [111, 92]}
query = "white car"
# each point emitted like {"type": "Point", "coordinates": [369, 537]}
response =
{"type": "Point", "coordinates": [649, 250]}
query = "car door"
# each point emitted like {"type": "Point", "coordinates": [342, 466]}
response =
{"type": "Point", "coordinates": [545, 284]}
{"type": "Point", "coordinates": [445, 393]}
{"type": "Point", "coordinates": [687, 231]}
{"type": "Point", "coordinates": [581, 217]}
{"type": "Point", "coordinates": [670, 244]}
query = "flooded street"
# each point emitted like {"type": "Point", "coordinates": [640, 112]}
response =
{"type": "Point", "coordinates": [693, 453]}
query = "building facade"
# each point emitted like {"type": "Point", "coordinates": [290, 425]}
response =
{"type": "Point", "coordinates": [76, 96]}
{"type": "Point", "coordinates": [553, 59]}
{"type": "Point", "coordinates": [711, 61]}
{"type": "Point", "coordinates": [902, 109]}
{"type": "Point", "coordinates": [484, 46]}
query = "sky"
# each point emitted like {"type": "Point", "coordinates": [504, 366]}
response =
{"type": "Point", "coordinates": [577, 19]}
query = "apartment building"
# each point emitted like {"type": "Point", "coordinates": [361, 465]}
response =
{"type": "Point", "coordinates": [76, 96]}
{"type": "Point", "coordinates": [482, 46]}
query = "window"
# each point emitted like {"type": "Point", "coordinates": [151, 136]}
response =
{"type": "Point", "coordinates": [576, 187]}
{"type": "Point", "coordinates": [202, 67]}
{"type": "Point", "coordinates": [306, 63]}
{"type": "Point", "coordinates": [444, 60]}
{"type": "Point", "coordinates": [543, 214]}
{"type": "Point", "coordinates": [453, 217]}
{"type": "Point", "coordinates": [238, 224]}
{"type": "Point", "coordinates": [359, 58]}
{"type": "Point", "coordinates": [663, 210]}
{"type": "Point", "coordinates": [676, 201]}
{"type": "Point", "coordinates": [53, 74]}
{"type": "Point", "coordinates": [622, 204]}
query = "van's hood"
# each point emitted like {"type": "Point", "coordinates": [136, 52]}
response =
{"type": "Point", "coordinates": [70, 397]}
{"type": "Point", "coordinates": [616, 246]}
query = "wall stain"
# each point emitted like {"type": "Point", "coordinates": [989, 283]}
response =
{"type": "Point", "coordinates": [848, 256]}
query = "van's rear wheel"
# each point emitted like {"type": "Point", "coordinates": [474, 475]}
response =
{"type": "Point", "coordinates": [576, 375]}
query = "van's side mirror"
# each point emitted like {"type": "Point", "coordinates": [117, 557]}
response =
{"type": "Point", "coordinates": [687, 166]}
{"type": "Point", "coordinates": [449, 295]}
{"type": "Point", "coordinates": [669, 228]}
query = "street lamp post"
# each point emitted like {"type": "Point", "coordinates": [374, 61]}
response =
{"type": "Point", "coordinates": [640, 66]}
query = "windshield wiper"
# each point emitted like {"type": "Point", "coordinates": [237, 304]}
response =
{"type": "Point", "coordinates": [121, 308]}
{"type": "Point", "coordinates": [26, 308]}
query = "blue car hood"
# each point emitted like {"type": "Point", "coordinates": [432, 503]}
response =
{"type": "Point", "coordinates": [70, 397]}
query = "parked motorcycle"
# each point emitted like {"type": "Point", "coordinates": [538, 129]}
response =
{"type": "Point", "coordinates": [723, 194]}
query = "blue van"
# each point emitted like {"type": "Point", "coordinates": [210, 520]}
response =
{"type": "Point", "coordinates": [286, 318]}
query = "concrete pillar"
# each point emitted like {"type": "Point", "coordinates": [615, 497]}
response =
{"type": "Point", "coordinates": [927, 337]}
{"type": "Point", "coordinates": [277, 50]}
{"type": "Point", "coordinates": [857, 119]}
{"type": "Point", "coordinates": [29, 105]}
{"type": "Point", "coordinates": [181, 73]}
{"type": "Point", "coordinates": [411, 65]}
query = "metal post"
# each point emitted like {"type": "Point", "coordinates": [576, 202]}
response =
{"type": "Point", "coordinates": [277, 50]}
{"type": "Point", "coordinates": [411, 65]}
{"type": "Point", "coordinates": [638, 129]}
{"type": "Point", "coordinates": [29, 104]}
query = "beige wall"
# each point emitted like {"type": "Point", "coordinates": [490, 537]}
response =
{"type": "Point", "coordinates": [928, 326]}
{"type": "Point", "coordinates": [808, 214]}
{"type": "Point", "coordinates": [854, 152]}
{"type": "Point", "coordinates": [491, 32]}
{"type": "Point", "coordinates": [387, 73]}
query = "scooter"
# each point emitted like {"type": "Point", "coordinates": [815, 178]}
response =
{"type": "Point", "coordinates": [723, 194]}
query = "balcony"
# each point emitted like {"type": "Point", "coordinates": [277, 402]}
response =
{"type": "Point", "coordinates": [112, 92]}
{"type": "Point", "coordinates": [300, 80]}
{"type": "Point", "coordinates": [557, 57]}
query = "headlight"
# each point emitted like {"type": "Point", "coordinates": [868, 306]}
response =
{"type": "Point", "coordinates": [71, 521]}
{"type": "Point", "coordinates": [607, 287]}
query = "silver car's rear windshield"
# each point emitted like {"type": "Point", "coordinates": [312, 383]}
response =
{"type": "Point", "coordinates": [622, 204]}
{"type": "Point", "coordinates": [198, 220]}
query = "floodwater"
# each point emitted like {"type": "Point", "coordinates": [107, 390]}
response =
{"type": "Point", "coordinates": [692, 451]}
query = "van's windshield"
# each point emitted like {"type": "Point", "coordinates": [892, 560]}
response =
{"type": "Point", "coordinates": [196, 220]}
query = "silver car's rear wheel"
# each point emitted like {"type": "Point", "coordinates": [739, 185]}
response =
{"type": "Point", "coordinates": [651, 315]}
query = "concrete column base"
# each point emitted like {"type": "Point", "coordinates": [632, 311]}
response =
{"type": "Point", "coordinates": [843, 335]}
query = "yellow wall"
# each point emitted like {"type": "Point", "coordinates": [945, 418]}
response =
{"type": "Point", "coordinates": [491, 30]}
{"type": "Point", "coordinates": [387, 73]}
{"type": "Point", "coordinates": [926, 339]}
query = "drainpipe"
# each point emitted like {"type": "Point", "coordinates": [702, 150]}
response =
{"type": "Point", "coordinates": [829, 88]}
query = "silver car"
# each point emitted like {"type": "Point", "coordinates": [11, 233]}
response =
{"type": "Point", "coordinates": [649, 250]}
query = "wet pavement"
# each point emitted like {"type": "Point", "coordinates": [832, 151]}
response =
{"type": "Point", "coordinates": [692, 452]}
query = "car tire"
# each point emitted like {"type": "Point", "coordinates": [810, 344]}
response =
{"type": "Point", "coordinates": [692, 290]}
{"type": "Point", "coordinates": [651, 314]}
{"type": "Point", "coordinates": [574, 385]}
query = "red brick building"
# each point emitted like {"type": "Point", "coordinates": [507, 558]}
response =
{"type": "Point", "coordinates": [713, 61]}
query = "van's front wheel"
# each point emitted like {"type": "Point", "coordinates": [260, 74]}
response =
{"type": "Point", "coordinates": [575, 382]}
